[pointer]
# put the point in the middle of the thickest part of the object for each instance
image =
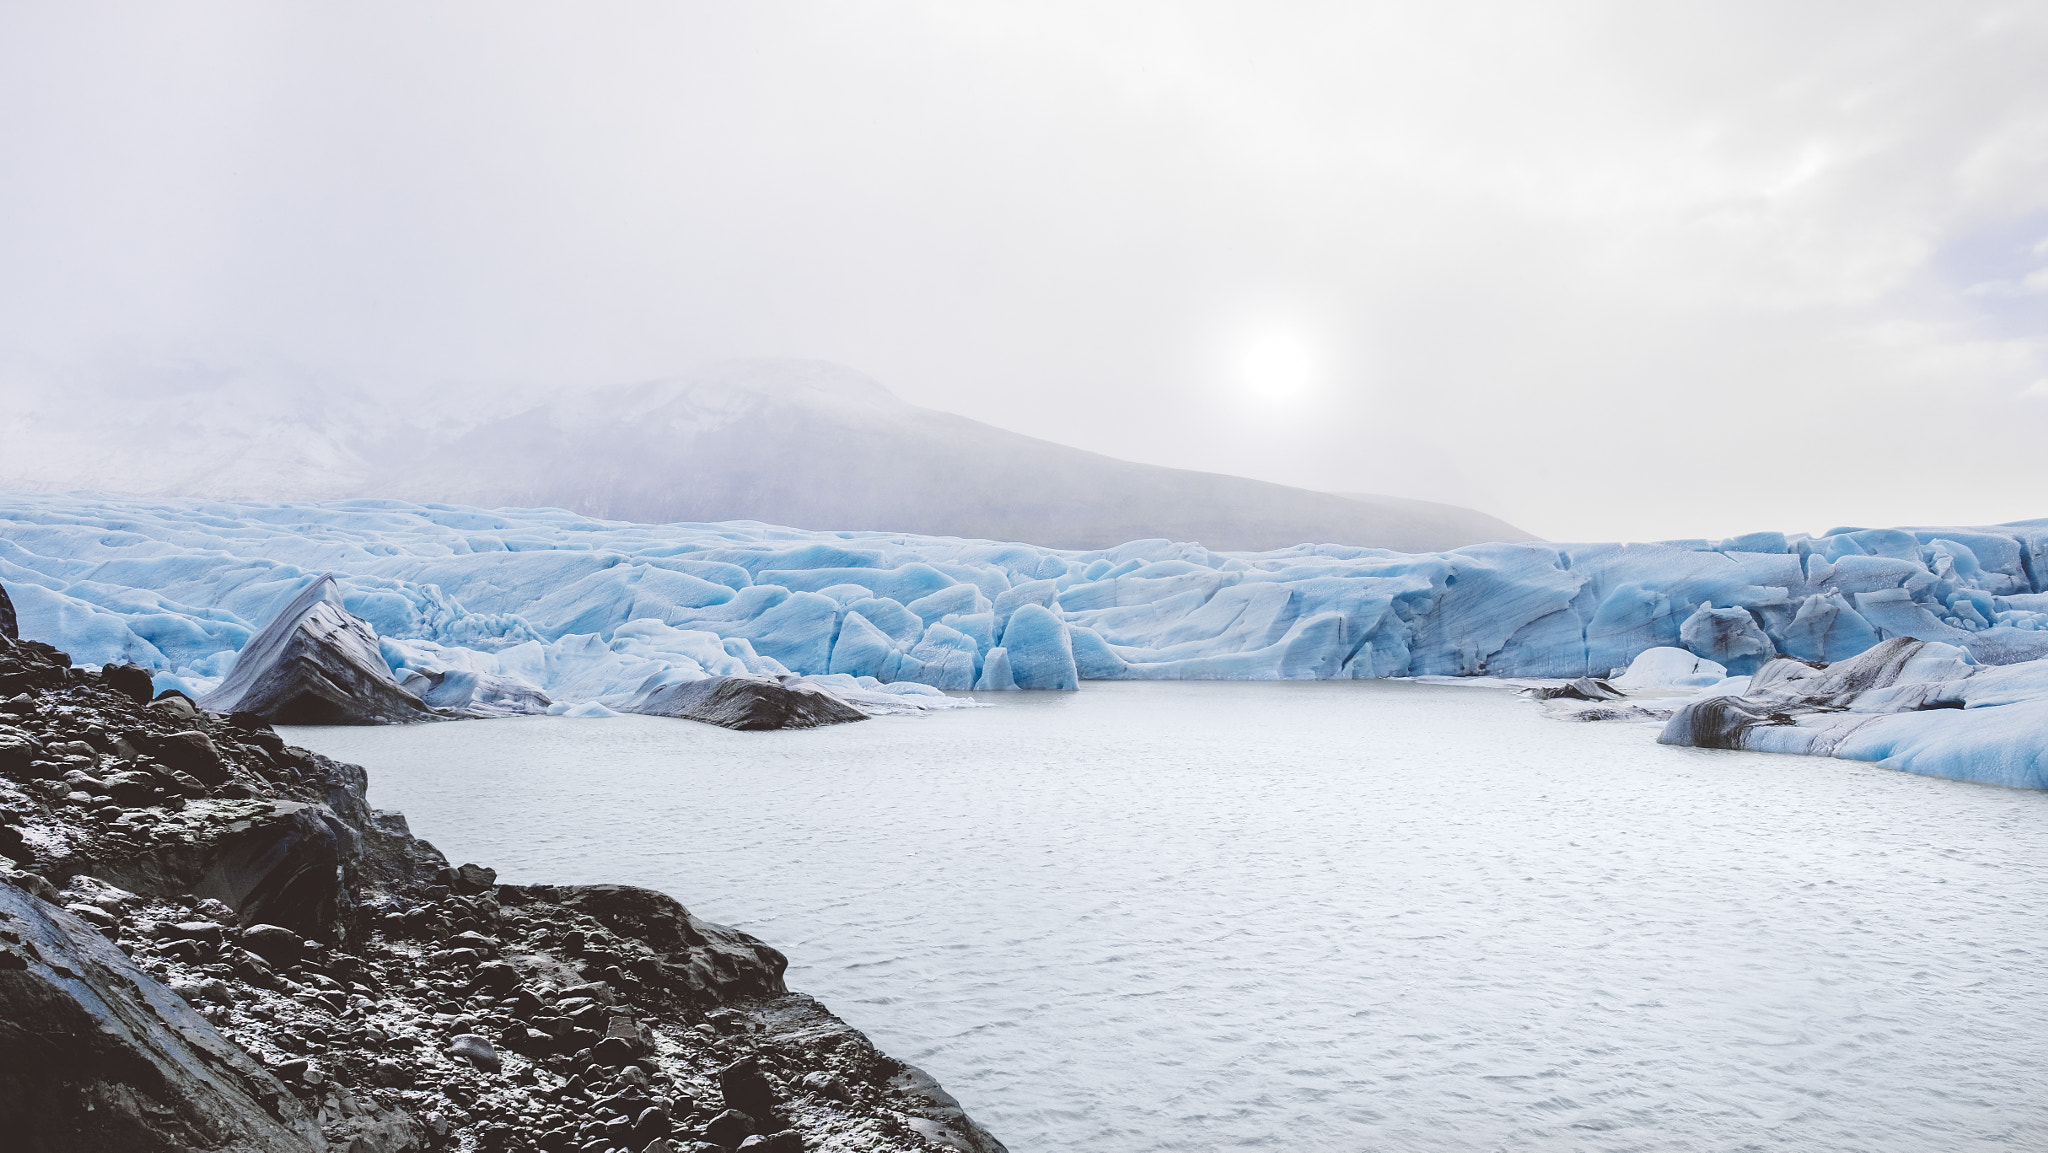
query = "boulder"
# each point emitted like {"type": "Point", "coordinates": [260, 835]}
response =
{"type": "Point", "coordinates": [747, 703]}
{"type": "Point", "coordinates": [746, 1088]}
{"type": "Point", "coordinates": [131, 681]}
{"type": "Point", "coordinates": [176, 705]}
{"type": "Point", "coordinates": [96, 1054]}
{"type": "Point", "coordinates": [475, 1049]}
{"type": "Point", "coordinates": [728, 1129]}
{"type": "Point", "coordinates": [469, 878]}
{"type": "Point", "coordinates": [612, 1052]}
{"type": "Point", "coordinates": [274, 943]}
{"type": "Point", "coordinates": [191, 753]}
{"type": "Point", "coordinates": [9, 626]}
{"type": "Point", "coordinates": [316, 663]}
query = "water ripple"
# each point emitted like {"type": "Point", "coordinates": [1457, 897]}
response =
{"type": "Point", "coordinates": [1323, 916]}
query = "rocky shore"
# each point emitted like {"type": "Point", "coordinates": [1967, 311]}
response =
{"type": "Point", "coordinates": [209, 941]}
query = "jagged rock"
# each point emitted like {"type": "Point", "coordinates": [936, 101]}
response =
{"type": "Point", "coordinates": [9, 626]}
{"type": "Point", "coordinates": [316, 664]}
{"type": "Point", "coordinates": [469, 878]}
{"type": "Point", "coordinates": [97, 1055]}
{"type": "Point", "coordinates": [746, 703]}
{"type": "Point", "coordinates": [18, 751]}
{"type": "Point", "coordinates": [282, 866]}
{"type": "Point", "coordinates": [612, 1051]}
{"type": "Point", "coordinates": [713, 961]}
{"type": "Point", "coordinates": [191, 753]}
{"type": "Point", "coordinates": [827, 1085]}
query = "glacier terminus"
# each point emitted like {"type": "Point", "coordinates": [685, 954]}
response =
{"type": "Point", "coordinates": [517, 611]}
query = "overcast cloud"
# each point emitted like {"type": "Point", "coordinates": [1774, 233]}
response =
{"type": "Point", "coordinates": [1604, 270]}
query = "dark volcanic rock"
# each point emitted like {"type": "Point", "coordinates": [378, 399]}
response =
{"type": "Point", "coordinates": [316, 664]}
{"type": "Point", "coordinates": [97, 1055]}
{"type": "Point", "coordinates": [9, 628]}
{"type": "Point", "coordinates": [747, 703]}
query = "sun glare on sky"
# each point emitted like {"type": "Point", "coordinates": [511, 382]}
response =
{"type": "Point", "coordinates": [1277, 365]}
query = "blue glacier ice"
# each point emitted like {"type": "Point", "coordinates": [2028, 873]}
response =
{"type": "Point", "coordinates": [1922, 706]}
{"type": "Point", "coordinates": [492, 608]}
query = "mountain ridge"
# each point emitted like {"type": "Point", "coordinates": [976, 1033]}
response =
{"type": "Point", "coordinates": [808, 444]}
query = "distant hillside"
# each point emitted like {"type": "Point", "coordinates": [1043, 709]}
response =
{"type": "Point", "coordinates": [813, 445]}
{"type": "Point", "coordinates": [798, 443]}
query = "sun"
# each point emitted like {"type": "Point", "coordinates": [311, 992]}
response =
{"type": "Point", "coordinates": [1277, 365]}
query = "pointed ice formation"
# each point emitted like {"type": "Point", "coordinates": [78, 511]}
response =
{"type": "Point", "coordinates": [316, 663]}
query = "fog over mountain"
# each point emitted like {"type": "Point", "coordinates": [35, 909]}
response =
{"type": "Point", "coordinates": [800, 443]}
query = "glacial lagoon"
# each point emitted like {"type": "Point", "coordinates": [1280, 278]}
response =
{"type": "Point", "coordinates": [1322, 916]}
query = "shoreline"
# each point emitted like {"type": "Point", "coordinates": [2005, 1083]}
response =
{"type": "Point", "coordinates": [283, 967]}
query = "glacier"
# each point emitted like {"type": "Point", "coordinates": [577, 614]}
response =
{"type": "Point", "coordinates": [481, 606]}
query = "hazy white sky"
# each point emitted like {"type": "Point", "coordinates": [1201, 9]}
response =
{"type": "Point", "coordinates": [1606, 270]}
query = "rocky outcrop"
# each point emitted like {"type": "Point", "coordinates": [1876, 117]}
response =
{"type": "Point", "coordinates": [213, 942]}
{"type": "Point", "coordinates": [316, 663]}
{"type": "Point", "coordinates": [98, 1055]}
{"type": "Point", "coordinates": [9, 626]}
{"type": "Point", "coordinates": [747, 703]}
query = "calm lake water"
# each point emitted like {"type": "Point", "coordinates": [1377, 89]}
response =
{"type": "Point", "coordinates": [1336, 916]}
